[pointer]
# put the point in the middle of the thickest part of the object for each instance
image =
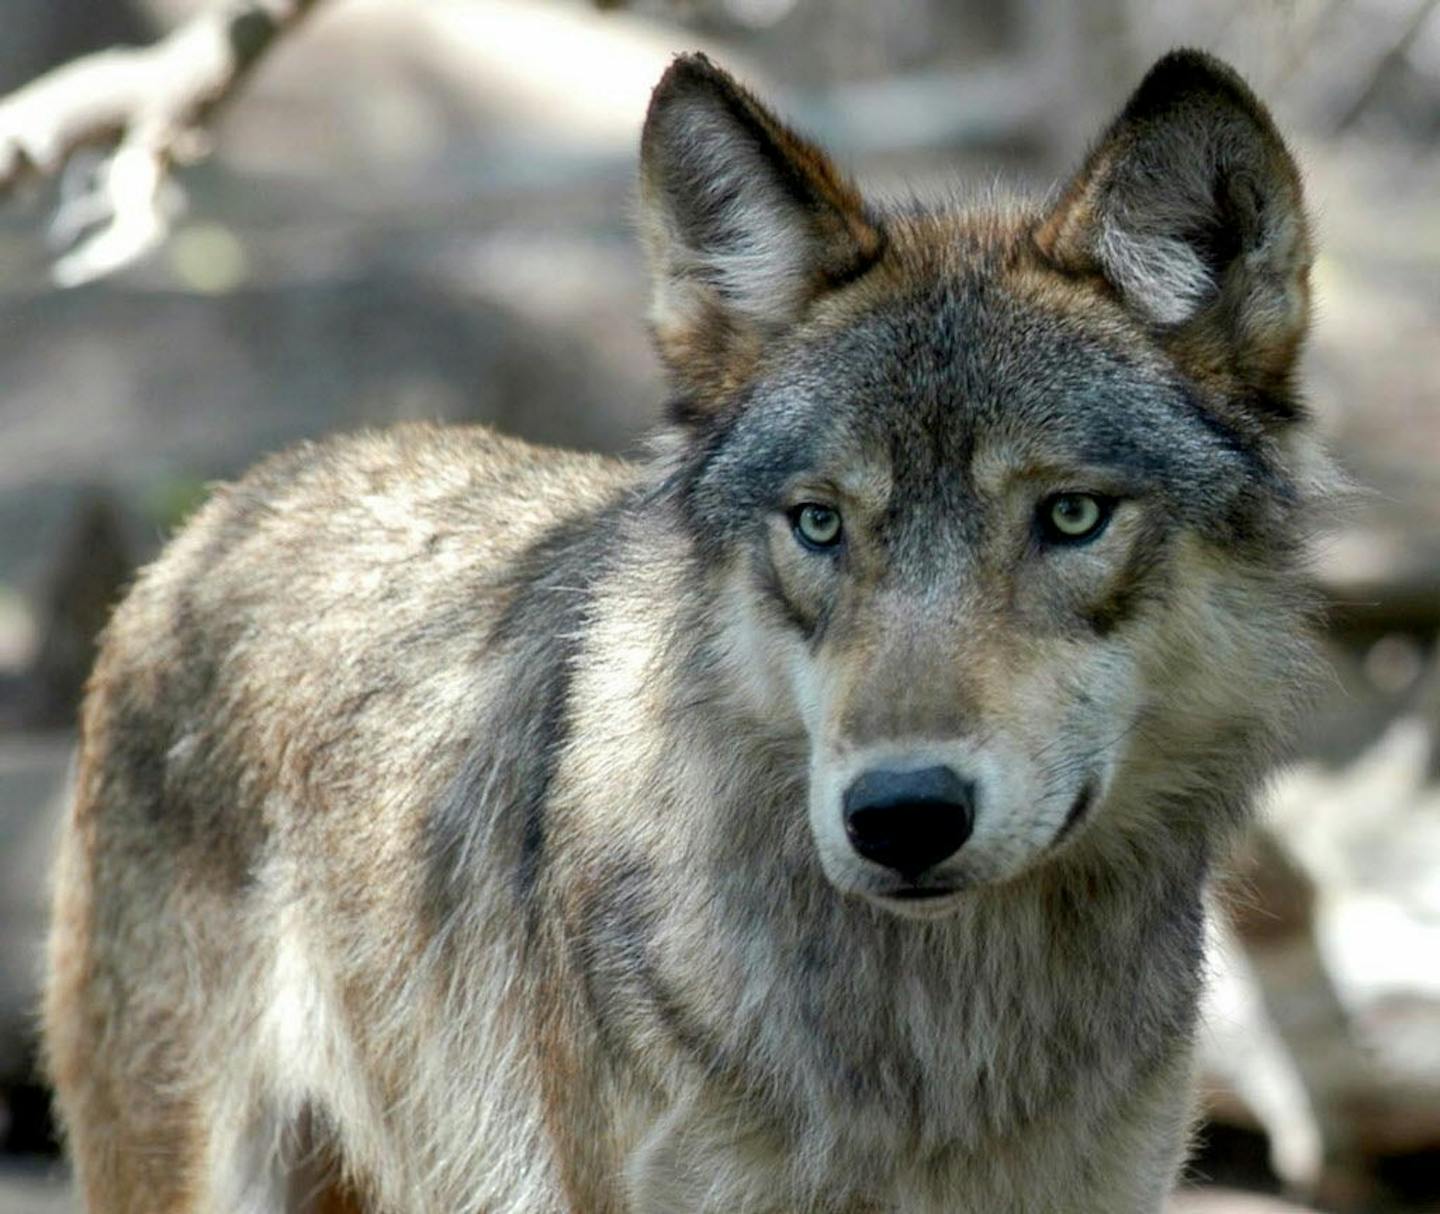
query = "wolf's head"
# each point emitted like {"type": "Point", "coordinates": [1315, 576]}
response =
{"type": "Point", "coordinates": [1007, 503]}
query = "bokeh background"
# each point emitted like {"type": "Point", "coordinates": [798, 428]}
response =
{"type": "Point", "coordinates": [421, 208]}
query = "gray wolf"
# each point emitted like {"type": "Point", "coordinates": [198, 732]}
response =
{"type": "Point", "coordinates": [813, 816]}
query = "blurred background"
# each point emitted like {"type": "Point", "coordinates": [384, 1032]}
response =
{"type": "Point", "coordinates": [421, 209]}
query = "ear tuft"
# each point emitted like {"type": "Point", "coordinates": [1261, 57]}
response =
{"type": "Point", "coordinates": [746, 223]}
{"type": "Point", "coordinates": [1190, 206]}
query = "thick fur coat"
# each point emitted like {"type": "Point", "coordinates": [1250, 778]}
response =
{"type": "Point", "coordinates": [465, 826]}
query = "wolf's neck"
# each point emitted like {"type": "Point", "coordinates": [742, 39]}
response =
{"type": "Point", "coordinates": [708, 925]}
{"type": "Point", "coordinates": [827, 1011]}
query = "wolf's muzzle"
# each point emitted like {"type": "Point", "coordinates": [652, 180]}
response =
{"type": "Point", "coordinates": [909, 821]}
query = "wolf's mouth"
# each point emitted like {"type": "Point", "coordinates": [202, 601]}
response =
{"type": "Point", "coordinates": [913, 893]}
{"type": "Point", "coordinates": [1077, 811]}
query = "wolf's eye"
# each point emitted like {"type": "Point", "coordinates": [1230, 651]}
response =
{"type": "Point", "coordinates": [1071, 518]}
{"type": "Point", "coordinates": [816, 526]}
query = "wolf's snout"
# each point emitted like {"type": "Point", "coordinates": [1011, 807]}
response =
{"type": "Point", "coordinates": [909, 820]}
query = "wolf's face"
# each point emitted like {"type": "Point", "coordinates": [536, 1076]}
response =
{"type": "Point", "coordinates": [1004, 501]}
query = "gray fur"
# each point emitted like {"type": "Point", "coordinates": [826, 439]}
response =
{"type": "Point", "coordinates": [456, 822]}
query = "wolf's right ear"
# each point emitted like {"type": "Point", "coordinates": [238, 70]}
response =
{"type": "Point", "coordinates": [1190, 207]}
{"type": "Point", "coordinates": [746, 224]}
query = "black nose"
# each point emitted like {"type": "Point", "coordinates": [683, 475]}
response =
{"type": "Point", "coordinates": [909, 820]}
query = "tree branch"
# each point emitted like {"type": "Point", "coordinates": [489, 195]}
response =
{"type": "Point", "coordinates": [150, 105]}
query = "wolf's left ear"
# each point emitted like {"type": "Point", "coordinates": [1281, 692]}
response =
{"type": "Point", "coordinates": [1190, 207]}
{"type": "Point", "coordinates": [746, 224]}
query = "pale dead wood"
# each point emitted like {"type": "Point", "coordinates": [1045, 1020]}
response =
{"type": "Point", "coordinates": [1274, 920]}
{"type": "Point", "coordinates": [150, 105]}
{"type": "Point", "coordinates": [1331, 907]}
{"type": "Point", "coordinates": [1225, 1201]}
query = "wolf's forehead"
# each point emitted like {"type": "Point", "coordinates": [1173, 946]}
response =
{"type": "Point", "coordinates": [947, 390]}
{"type": "Point", "coordinates": [964, 374]}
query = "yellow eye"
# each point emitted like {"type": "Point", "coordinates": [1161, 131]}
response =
{"type": "Point", "coordinates": [1068, 518]}
{"type": "Point", "coordinates": [817, 526]}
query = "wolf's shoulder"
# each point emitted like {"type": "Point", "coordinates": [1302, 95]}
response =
{"type": "Point", "coordinates": [424, 462]}
{"type": "Point", "coordinates": [415, 525]}
{"type": "Point", "coordinates": [379, 493]}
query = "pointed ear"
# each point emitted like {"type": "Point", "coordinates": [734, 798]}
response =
{"type": "Point", "coordinates": [1190, 207]}
{"type": "Point", "coordinates": [746, 224]}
